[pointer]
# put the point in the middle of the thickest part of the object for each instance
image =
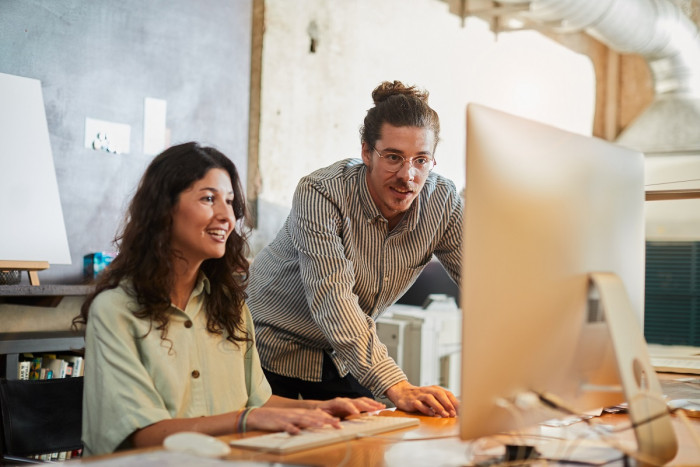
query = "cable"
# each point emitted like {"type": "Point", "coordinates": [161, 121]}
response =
{"type": "Point", "coordinates": [675, 181]}
{"type": "Point", "coordinates": [667, 411]}
{"type": "Point", "coordinates": [556, 403]}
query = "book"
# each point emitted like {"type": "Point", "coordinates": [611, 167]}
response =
{"type": "Point", "coordinates": [35, 368]}
{"type": "Point", "coordinates": [23, 369]}
{"type": "Point", "coordinates": [49, 366]}
{"type": "Point", "coordinates": [57, 366]}
{"type": "Point", "coordinates": [77, 362]}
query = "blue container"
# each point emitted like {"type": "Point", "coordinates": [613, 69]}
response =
{"type": "Point", "coordinates": [94, 263]}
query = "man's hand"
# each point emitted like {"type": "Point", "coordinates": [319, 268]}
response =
{"type": "Point", "coordinates": [429, 400]}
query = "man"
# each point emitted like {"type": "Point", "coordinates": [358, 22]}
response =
{"type": "Point", "coordinates": [357, 236]}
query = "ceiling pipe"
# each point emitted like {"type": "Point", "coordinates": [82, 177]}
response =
{"type": "Point", "coordinates": [667, 39]}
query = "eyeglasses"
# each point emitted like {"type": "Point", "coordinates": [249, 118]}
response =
{"type": "Point", "coordinates": [394, 162]}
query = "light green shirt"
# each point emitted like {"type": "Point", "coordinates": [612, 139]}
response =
{"type": "Point", "coordinates": [132, 382]}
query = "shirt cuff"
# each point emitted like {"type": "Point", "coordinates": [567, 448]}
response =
{"type": "Point", "coordinates": [382, 377]}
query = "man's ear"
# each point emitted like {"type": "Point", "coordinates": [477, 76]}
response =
{"type": "Point", "coordinates": [366, 154]}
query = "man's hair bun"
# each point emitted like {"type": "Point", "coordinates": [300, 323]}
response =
{"type": "Point", "coordinates": [387, 89]}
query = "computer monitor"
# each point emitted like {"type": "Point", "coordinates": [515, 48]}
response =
{"type": "Point", "coordinates": [433, 279]}
{"type": "Point", "coordinates": [553, 220]}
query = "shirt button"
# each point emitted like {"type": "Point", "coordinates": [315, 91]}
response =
{"type": "Point", "coordinates": [386, 279]}
{"type": "Point", "coordinates": [188, 324]}
{"type": "Point", "coordinates": [195, 374]}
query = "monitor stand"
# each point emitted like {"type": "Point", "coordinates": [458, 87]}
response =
{"type": "Point", "coordinates": [648, 410]}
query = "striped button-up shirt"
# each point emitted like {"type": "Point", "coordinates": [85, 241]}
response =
{"type": "Point", "coordinates": [334, 268]}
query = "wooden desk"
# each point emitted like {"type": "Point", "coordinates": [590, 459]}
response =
{"type": "Point", "coordinates": [435, 442]}
{"type": "Point", "coordinates": [398, 448]}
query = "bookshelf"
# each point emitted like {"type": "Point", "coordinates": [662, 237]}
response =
{"type": "Point", "coordinates": [14, 344]}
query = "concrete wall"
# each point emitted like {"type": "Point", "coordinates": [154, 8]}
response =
{"type": "Point", "coordinates": [23, 318]}
{"type": "Point", "coordinates": [313, 103]}
{"type": "Point", "coordinates": [100, 59]}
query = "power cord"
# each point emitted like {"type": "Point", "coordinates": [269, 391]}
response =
{"type": "Point", "coordinates": [556, 403]}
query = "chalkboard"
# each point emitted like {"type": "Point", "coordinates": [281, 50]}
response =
{"type": "Point", "coordinates": [100, 59]}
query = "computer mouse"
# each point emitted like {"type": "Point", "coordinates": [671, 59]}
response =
{"type": "Point", "coordinates": [195, 443]}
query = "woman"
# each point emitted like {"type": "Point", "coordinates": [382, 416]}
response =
{"type": "Point", "coordinates": [169, 339]}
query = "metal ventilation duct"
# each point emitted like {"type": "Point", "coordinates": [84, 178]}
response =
{"type": "Point", "coordinates": [661, 33]}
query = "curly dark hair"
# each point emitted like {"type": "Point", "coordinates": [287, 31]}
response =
{"type": "Point", "coordinates": [398, 105]}
{"type": "Point", "coordinates": [145, 254]}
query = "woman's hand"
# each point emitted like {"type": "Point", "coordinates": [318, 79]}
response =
{"type": "Point", "coordinates": [291, 415]}
{"type": "Point", "coordinates": [343, 406]}
{"type": "Point", "coordinates": [288, 419]}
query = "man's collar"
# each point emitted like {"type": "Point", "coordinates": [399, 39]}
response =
{"type": "Point", "coordinates": [370, 209]}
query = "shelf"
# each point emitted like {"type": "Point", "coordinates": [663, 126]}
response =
{"type": "Point", "coordinates": [48, 341]}
{"type": "Point", "coordinates": [13, 344]}
{"type": "Point", "coordinates": [660, 195]}
{"type": "Point", "coordinates": [40, 295]}
{"type": "Point", "coordinates": [43, 290]}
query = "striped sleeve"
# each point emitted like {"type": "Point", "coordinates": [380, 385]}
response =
{"type": "Point", "coordinates": [328, 278]}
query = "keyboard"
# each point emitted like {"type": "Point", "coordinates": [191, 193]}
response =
{"type": "Point", "coordinates": [677, 364]}
{"type": "Point", "coordinates": [675, 358]}
{"type": "Point", "coordinates": [284, 443]}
